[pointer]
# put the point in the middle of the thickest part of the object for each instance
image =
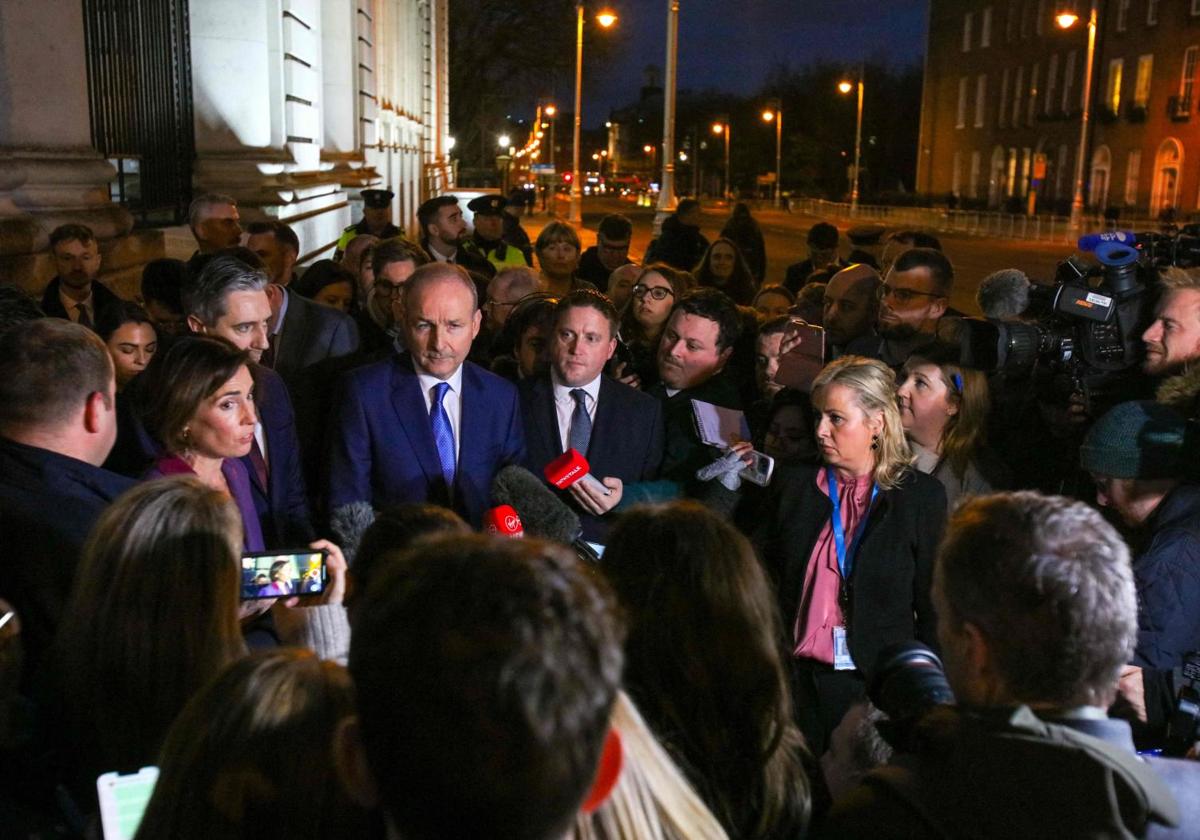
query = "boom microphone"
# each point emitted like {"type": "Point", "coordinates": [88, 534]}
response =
{"type": "Point", "coordinates": [542, 513]}
{"type": "Point", "coordinates": [571, 468]}
{"type": "Point", "coordinates": [348, 524]}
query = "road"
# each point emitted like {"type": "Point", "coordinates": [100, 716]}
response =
{"type": "Point", "coordinates": [973, 257]}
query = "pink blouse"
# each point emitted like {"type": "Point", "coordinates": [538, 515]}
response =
{"type": "Point", "coordinates": [819, 610]}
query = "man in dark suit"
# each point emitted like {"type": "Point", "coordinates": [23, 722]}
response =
{"type": "Point", "coordinates": [427, 426]}
{"type": "Point", "coordinates": [444, 232]}
{"type": "Point", "coordinates": [574, 406]}
{"type": "Point", "coordinates": [74, 294]}
{"type": "Point", "coordinates": [229, 299]}
{"type": "Point", "coordinates": [57, 425]}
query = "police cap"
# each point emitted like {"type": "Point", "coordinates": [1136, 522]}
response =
{"type": "Point", "coordinates": [377, 199]}
{"type": "Point", "coordinates": [865, 234]}
{"type": "Point", "coordinates": [487, 205]}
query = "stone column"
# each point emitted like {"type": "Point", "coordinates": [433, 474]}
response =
{"type": "Point", "coordinates": [49, 172]}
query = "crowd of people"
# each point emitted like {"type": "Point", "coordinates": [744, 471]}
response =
{"type": "Point", "coordinates": [899, 595]}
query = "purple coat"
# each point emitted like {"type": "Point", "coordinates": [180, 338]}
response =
{"type": "Point", "coordinates": [239, 485]}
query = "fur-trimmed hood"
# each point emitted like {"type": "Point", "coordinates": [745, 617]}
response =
{"type": "Point", "coordinates": [1181, 392]}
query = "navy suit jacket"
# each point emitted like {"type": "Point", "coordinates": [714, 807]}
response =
{"type": "Point", "coordinates": [383, 451]}
{"type": "Point", "coordinates": [311, 333]}
{"type": "Point", "coordinates": [102, 298]}
{"type": "Point", "coordinates": [626, 441]}
{"type": "Point", "coordinates": [48, 505]}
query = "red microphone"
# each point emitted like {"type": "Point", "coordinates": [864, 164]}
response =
{"type": "Point", "coordinates": [503, 521]}
{"type": "Point", "coordinates": [569, 468]}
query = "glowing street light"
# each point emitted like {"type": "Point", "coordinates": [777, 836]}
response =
{"type": "Point", "coordinates": [606, 18]}
{"type": "Point", "coordinates": [1067, 18]}
{"type": "Point", "coordinates": [775, 114]}
{"type": "Point", "coordinates": [845, 87]}
{"type": "Point", "coordinates": [722, 127]}
{"type": "Point", "coordinates": [502, 141]}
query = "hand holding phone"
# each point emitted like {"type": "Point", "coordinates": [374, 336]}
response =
{"type": "Point", "coordinates": [802, 355]}
{"type": "Point", "coordinates": [284, 574]}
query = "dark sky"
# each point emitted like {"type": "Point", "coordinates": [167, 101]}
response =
{"type": "Point", "coordinates": [731, 45]}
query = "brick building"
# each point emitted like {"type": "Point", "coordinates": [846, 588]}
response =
{"type": "Point", "coordinates": [1004, 84]}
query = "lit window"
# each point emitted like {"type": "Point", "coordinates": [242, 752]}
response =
{"type": "Point", "coordinates": [962, 103]}
{"type": "Point", "coordinates": [1141, 88]}
{"type": "Point", "coordinates": [1112, 89]}
{"type": "Point", "coordinates": [966, 35]}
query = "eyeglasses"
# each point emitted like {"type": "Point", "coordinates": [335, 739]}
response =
{"type": "Point", "coordinates": [389, 290]}
{"type": "Point", "coordinates": [657, 292]}
{"type": "Point", "coordinates": [903, 295]}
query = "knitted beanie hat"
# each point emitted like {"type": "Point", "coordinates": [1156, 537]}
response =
{"type": "Point", "coordinates": [1136, 440]}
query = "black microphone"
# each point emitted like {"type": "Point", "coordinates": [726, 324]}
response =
{"type": "Point", "coordinates": [542, 513]}
{"type": "Point", "coordinates": [348, 524]}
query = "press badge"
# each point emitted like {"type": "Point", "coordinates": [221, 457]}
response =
{"type": "Point", "coordinates": [841, 651]}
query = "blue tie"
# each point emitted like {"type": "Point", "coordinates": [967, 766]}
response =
{"type": "Point", "coordinates": [443, 434]}
{"type": "Point", "coordinates": [581, 423]}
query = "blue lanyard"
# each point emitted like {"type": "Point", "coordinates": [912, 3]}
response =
{"type": "Point", "coordinates": [845, 561]}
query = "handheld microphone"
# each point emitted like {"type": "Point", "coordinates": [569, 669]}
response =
{"type": "Point", "coordinates": [348, 524]}
{"type": "Point", "coordinates": [503, 521]}
{"type": "Point", "coordinates": [570, 468]}
{"type": "Point", "coordinates": [1089, 241]}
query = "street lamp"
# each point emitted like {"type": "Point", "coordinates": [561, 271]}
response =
{"type": "Point", "coordinates": [722, 127]}
{"type": "Point", "coordinates": [666, 191]}
{"type": "Point", "coordinates": [502, 141]}
{"type": "Point", "coordinates": [552, 112]}
{"type": "Point", "coordinates": [845, 87]}
{"type": "Point", "coordinates": [775, 114]}
{"type": "Point", "coordinates": [606, 19]}
{"type": "Point", "coordinates": [1066, 19]}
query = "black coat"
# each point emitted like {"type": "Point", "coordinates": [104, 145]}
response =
{"type": "Point", "coordinates": [893, 567]}
{"type": "Point", "coordinates": [102, 299]}
{"type": "Point", "coordinates": [679, 245]}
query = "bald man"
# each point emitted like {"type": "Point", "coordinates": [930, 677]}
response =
{"type": "Point", "coordinates": [850, 306]}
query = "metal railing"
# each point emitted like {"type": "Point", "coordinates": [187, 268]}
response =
{"type": "Point", "coordinates": [1041, 228]}
{"type": "Point", "coordinates": [140, 99]}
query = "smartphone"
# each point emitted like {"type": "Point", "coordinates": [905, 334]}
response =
{"type": "Point", "coordinates": [760, 471]}
{"type": "Point", "coordinates": [284, 574]}
{"type": "Point", "coordinates": [123, 801]}
{"type": "Point", "coordinates": [800, 365]}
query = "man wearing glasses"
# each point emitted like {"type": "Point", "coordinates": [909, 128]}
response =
{"type": "Point", "coordinates": [912, 299]}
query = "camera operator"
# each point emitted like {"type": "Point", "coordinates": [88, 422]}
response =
{"type": "Point", "coordinates": [1172, 341]}
{"type": "Point", "coordinates": [1037, 613]}
{"type": "Point", "coordinates": [1137, 455]}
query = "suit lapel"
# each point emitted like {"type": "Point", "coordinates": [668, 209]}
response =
{"type": "Point", "coordinates": [291, 339]}
{"type": "Point", "coordinates": [545, 418]}
{"type": "Point", "coordinates": [607, 412]}
{"type": "Point", "coordinates": [471, 447]}
{"type": "Point", "coordinates": [409, 404]}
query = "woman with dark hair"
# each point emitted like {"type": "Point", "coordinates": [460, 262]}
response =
{"type": "Point", "coordinates": [657, 289]}
{"type": "Point", "coordinates": [152, 617]}
{"type": "Point", "coordinates": [329, 283]}
{"type": "Point", "coordinates": [129, 335]}
{"type": "Point", "coordinates": [704, 664]}
{"type": "Point", "coordinates": [199, 405]}
{"type": "Point", "coordinates": [251, 757]}
{"type": "Point", "coordinates": [558, 251]}
{"type": "Point", "coordinates": [723, 267]}
{"type": "Point", "coordinates": [742, 228]}
{"type": "Point", "coordinates": [772, 301]}
{"type": "Point", "coordinates": [850, 543]}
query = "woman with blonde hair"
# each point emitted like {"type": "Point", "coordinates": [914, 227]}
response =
{"type": "Point", "coordinates": [252, 756]}
{"type": "Point", "coordinates": [851, 543]}
{"type": "Point", "coordinates": [944, 409]}
{"type": "Point", "coordinates": [652, 799]}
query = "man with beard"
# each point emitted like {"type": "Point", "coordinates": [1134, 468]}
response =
{"type": "Point", "coordinates": [911, 300]}
{"type": "Point", "coordinates": [72, 294]}
{"type": "Point", "coordinates": [850, 306]}
{"type": "Point", "coordinates": [443, 232]}
{"type": "Point", "coordinates": [1172, 341]}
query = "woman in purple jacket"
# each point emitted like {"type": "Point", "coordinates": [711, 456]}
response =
{"type": "Point", "coordinates": [200, 405]}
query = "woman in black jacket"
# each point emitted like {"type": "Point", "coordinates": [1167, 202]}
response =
{"type": "Point", "coordinates": [851, 543]}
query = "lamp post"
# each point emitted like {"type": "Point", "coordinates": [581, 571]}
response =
{"type": "Point", "coordinates": [1065, 20]}
{"type": "Point", "coordinates": [846, 87]}
{"type": "Point", "coordinates": [775, 114]}
{"type": "Point", "coordinates": [666, 192]}
{"type": "Point", "coordinates": [722, 127]}
{"type": "Point", "coordinates": [552, 112]}
{"type": "Point", "coordinates": [606, 19]}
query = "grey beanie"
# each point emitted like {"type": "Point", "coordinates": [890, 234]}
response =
{"type": "Point", "coordinates": [1136, 440]}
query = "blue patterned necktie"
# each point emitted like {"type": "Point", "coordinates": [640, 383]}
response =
{"type": "Point", "coordinates": [581, 423]}
{"type": "Point", "coordinates": [443, 433]}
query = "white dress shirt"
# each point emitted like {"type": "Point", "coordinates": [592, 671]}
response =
{"type": "Point", "coordinates": [452, 402]}
{"type": "Point", "coordinates": [564, 405]}
{"type": "Point", "coordinates": [71, 305]}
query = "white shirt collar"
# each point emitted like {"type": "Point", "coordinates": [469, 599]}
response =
{"type": "Point", "coordinates": [277, 327]}
{"type": "Point", "coordinates": [429, 381]}
{"type": "Point", "coordinates": [562, 393]}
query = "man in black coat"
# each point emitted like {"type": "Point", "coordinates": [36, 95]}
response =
{"type": "Point", "coordinates": [574, 406]}
{"type": "Point", "coordinates": [57, 425]}
{"type": "Point", "coordinates": [681, 244]}
{"type": "Point", "coordinates": [74, 294]}
{"type": "Point", "coordinates": [610, 252]}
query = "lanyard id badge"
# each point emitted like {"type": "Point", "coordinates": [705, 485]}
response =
{"type": "Point", "coordinates": [842, 661]}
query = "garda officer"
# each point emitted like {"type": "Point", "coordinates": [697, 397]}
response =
{"type": "Point", "coordinates": [866, 244]}
{"type": "Point", "coordinates": [487, 239]}
{"type": "Point", "coordinates": [376, 220]}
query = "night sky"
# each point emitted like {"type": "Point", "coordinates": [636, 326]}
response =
{"type": "Point", "coordinates": [731, 45]}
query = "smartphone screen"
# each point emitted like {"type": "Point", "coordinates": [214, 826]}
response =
{"type": "Point", "coordinates": [800, 366]}
{"type": "Point", "coordinates": [276, 574]}
{"type": "Point", "coordinates": [123, 801]}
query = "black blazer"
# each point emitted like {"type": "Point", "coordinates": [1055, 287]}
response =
{"type": "Point", "coordinates": [312, 332]}
{"type": "Point", "coordinates": [626, 442]}
{"type": "Point", "coordinates": [102, 299]}
{"type": "Point", "coordinates": [893, 568]}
